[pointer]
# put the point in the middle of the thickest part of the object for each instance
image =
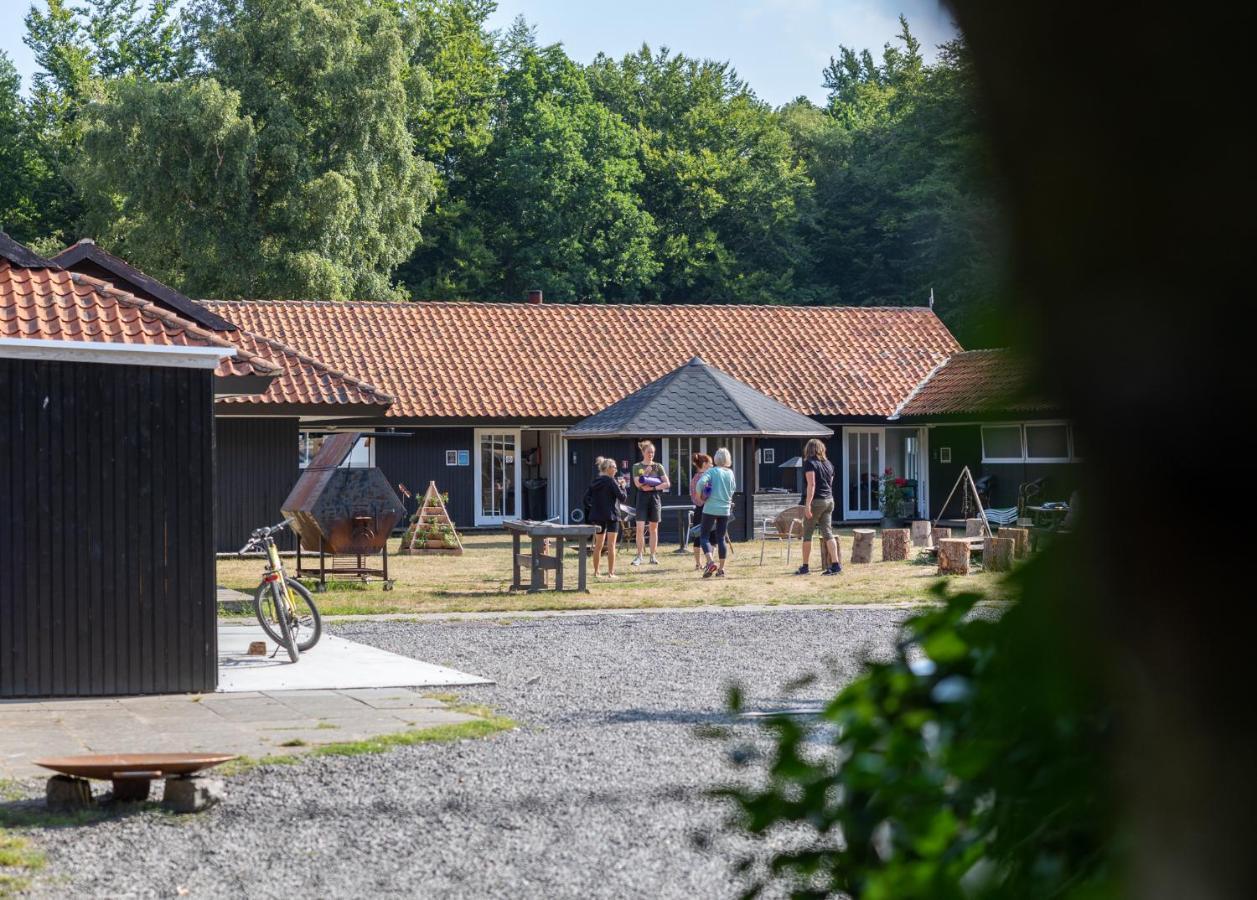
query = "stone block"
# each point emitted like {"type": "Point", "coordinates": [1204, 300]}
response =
{"type": "Point", "coordinates": [65, 793]}
{"type": "Point", "coordinates": [192, 793]}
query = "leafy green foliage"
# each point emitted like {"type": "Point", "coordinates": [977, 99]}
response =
{"type": "Point", "coordinates": [304, 142]}
{"type": "Point", "coordinates": [719, 176]}
{"type": "Point", "coordinates": [970, 765]}
{"type": "Point", "coordinates": [287, 169]}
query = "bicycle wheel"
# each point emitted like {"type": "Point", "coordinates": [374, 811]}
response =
{"type": "Point", "coordinates": [274, 618]}
{"type": "Point", "coordinates": [306, 626]}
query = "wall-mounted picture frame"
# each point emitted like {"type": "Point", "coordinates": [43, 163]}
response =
{"type": "Point", "coordinates": [769, 455]}
{"type": "Point", "coordinates": [451, 457]}
{"type": "Point", "coordinates": [944, 454]}
{"type": "Point", "coordinates": [464, 457]}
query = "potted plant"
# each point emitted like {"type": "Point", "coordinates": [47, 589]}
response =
{"type": "Point", "coordinates": [892, 494]}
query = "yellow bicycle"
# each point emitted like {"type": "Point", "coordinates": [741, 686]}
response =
{"type": "Point", "coordinates": [284, 607]}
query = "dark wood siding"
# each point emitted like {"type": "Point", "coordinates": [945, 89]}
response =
{"type": "Point", "coordinates": [257, 467]}
{"type": "Point", "coordinates": [420, 458]}
{"type": "Point", "coordinates": [106, 520]}
{"type": "Point", "coordinates": [965, 442]}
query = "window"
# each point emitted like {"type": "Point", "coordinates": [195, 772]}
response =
{"type": "Point", "coordinates": [310, 442]}
{"type": "Point", "coordinates": [1047, 442]}
{"type": "Point", "coordinates": [678, 450]}
{"type": "Point", "coordinates": [1035, 442]}
{"type": "Point", "coordinates": [1002, 443]}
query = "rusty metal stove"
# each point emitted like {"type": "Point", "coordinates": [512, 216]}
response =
{"type": "Point", "coordinates": [345, 514]}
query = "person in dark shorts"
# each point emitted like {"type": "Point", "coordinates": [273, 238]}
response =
{"type": "Point", "coordinates": [818, 505]}
{"type": "Point", "coordinates": [601, 498]}
{"type": "Point", "coordinates": [651, 480]}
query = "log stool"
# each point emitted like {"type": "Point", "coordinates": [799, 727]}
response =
{"type": "Point", "coordinates": [862, 546]}
{"type": "Point", "coordinates": [953, 557]}
{"type": "Point", "coordinates": [997, 554]}
{"type": "Point", "coordinates": [921, 534]}
{"type": "Point", "coordinates": [1021, 541]}
{"type": "Point", "coordinates": [973, 528]}
{"type": "Point", "coordinates": [939, 534]}
{"type": "Point", "coordinates": [895, 544]}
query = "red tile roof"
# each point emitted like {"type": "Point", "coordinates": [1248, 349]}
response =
{"type": "Point", "coordinates": [975, 382]}
{"type": "Point", "coordinates": [303, 381]}
{"type": "Point", "coordinates": [522, 360]}
{"type": "Point", "coordinates": [52, 304]}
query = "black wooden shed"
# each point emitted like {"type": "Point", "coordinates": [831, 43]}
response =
{"type": "Point", "coordinates": [106, 489]}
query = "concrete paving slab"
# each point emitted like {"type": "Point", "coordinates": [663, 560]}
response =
{"type": "Point", "coordinates": [335, 664]}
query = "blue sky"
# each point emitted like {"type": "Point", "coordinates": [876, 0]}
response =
{"type": "Point", "coordinates": [778, 46]}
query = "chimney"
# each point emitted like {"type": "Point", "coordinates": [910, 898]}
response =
{"type": "Point", "coordinates": [533, 296]}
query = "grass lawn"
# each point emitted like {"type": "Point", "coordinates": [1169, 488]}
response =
{"type": "Point", "coordinates": [478, 581]}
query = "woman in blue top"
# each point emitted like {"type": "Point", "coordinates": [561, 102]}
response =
{"type": "Point", "coordinates": [717, 484]}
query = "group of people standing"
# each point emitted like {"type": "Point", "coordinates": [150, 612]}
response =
{"type": "Point", "coordinates": [711, 489]}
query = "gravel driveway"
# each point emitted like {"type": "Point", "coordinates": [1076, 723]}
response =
{"type": "Point", "coordinates": [597, 795]}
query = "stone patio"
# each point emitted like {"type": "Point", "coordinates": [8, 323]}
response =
{"type": "Point", "coordinates": [254, 723]}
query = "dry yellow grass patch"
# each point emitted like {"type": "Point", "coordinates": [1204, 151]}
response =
{"type": "Point", "coordinates": [479, 581]}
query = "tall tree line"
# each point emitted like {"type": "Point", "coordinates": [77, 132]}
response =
{"type": "Point", "coordinates": [393, 149]}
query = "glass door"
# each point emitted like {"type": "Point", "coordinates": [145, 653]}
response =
{"type": "Point", "coordinates": [497, 476]}
{"type": "Point", "coordinates": [862, 464]}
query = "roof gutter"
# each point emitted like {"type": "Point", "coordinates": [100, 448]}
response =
{"type": "Point", "coordinates": [52, 350]}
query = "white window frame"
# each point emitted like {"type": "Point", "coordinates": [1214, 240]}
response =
{"type": "Point", "coordinates": [1025, 456]}
{"type": "Point", "coordinates": [305, 433]}
{"type": "Point", "coordinates": [681, 487]}
{"type": "Point", "coordinates": [477, 475]}
{"type": "Point", "coordinates": [1021, 438]}
{"type": "Point", "coordinates": [1069, 442]}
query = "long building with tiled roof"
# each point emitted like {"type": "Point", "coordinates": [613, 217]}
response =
{"type": "Point", "coordinates": [459, 360]}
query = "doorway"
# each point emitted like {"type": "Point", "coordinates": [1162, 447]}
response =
{"type": "Point", "coordinates": [497, 482]}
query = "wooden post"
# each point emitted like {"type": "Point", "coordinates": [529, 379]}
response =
{"type": "Point", "coordinates": [997, 554]}
{"type": "Point", "coordinates": [862, 546]}
{"type": "Point", "coordinates": [558, 557]}
{"type": "Point", "coordinates": [939, 534]}
{"type": "Point", "coordinates": [538, 577]}
{"type": "Point", "coordinates": [1021, 541]}
{"type": "Point", "coordinates": [953, 557]}
{"type": "Point", "coordinates": [582, 583]}
{"type": "Point", "coordinates": [973, 528]}
{"type": "Point", "coordinates": [895, 544]}
{"type": "Point", "coordinates": [515, 561]}
{"type": "Point", "coordinates": [921, 533]}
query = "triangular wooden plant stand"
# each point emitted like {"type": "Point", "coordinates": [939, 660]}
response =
{"type": "Point", "coordinates": [425, 532]}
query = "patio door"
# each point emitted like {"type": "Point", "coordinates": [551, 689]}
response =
{"type": "Point", "coordinates": [497, 475]}
{"type": "Point", "coordinates": [863, 459]}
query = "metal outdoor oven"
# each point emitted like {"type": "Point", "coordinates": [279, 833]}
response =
{"type": "Point", "coordinates": [344, 512]}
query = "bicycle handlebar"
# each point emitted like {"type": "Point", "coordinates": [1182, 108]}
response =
{"type": "Point", "coordinates": [261, 534]}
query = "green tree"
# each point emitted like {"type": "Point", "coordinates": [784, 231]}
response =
{"type": "Point", "coordinates": [720, 176]}
{"type": "Point", "coordinates": [455, 60]}
{"type": "Point", "coordinates": [552, 201]}
{"type": "Point", "coordinates": [78, 49]}
{"type": "Point", "coordinates": [286, 165]}
{"type": "Point", "coordinates": [903, 200]}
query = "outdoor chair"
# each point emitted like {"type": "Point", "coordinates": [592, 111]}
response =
{"type": "Point", "coordinates": [786, 526]}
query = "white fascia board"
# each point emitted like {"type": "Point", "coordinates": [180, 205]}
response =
{"type": "Point", "coordinates": [114, 354]}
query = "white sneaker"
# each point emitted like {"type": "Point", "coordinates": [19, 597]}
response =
{"type": "Point", "coordinates": [637, 561]}
{"type": "Point", "coordinates": [654, 560]}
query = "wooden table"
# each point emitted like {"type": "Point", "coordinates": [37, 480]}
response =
{"type": "Point", "coordinates": [538, 561]}
{"type": "Point", "coordinates": [1047, 516]}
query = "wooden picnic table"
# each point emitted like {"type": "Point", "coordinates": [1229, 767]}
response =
{"type": "Point", "coordinates": [538, 561]}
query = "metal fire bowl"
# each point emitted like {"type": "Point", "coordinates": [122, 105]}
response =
{"type": "Point", "coordinates": [106, 766]}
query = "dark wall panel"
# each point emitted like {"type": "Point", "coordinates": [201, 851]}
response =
{"type": "Point", "coordinates": [965, 442]}
{"type": "Point", "coordinates": [257, 467]}
{"type": "Point", "coordinates": [420, 458]}
{"type": "Point", "coordinates": [106, 520]}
